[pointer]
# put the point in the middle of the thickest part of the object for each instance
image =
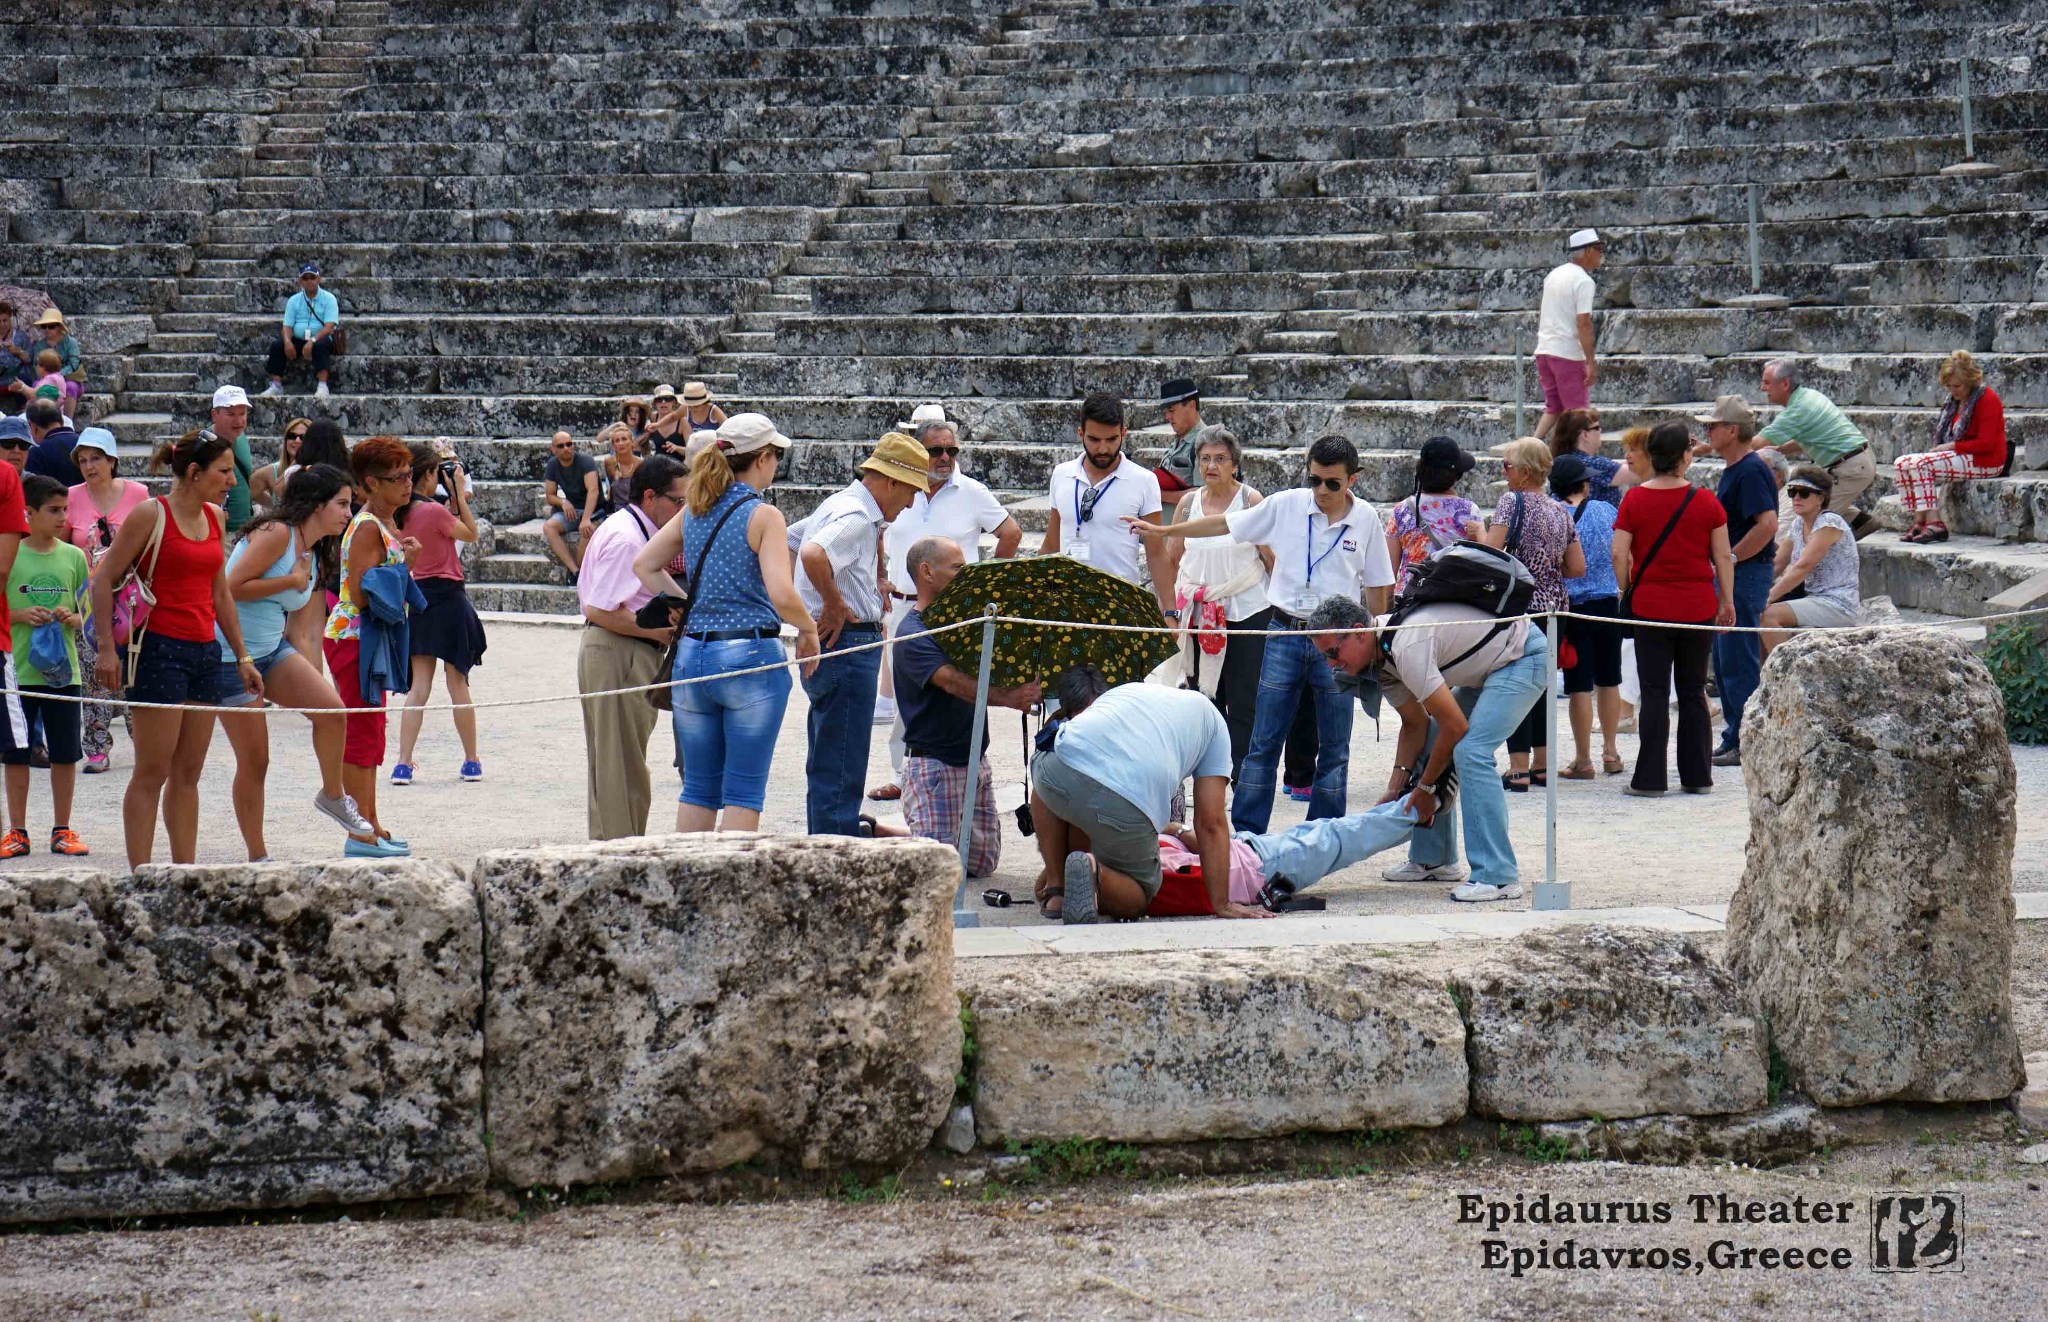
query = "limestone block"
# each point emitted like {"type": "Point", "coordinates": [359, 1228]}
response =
{"type": "Point", "coordinates": [1761, 1138]}
{"type": "Point", "coordinates": [195, 1039]}
{"type": "Point", "coordinates": [1873, 925]}
{"type": "Point", "coordinates": [1168, 1048]}
{"type": "Point", "coordinates": [1607, 1021]}
{"type": "Point", "coordinates": [686, 1003]}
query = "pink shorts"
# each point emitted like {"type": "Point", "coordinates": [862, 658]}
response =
{"type": "Point", "coordinates": [1564, 383]}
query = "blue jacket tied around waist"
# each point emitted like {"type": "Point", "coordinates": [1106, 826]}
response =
{"type": "Point", "coordinates": [386, 660]}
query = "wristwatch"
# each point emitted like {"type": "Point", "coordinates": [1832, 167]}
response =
{"type": "Point", "coordinates": [1171, 615]}
{"type": "Point", "coordinates": [1428, 788]}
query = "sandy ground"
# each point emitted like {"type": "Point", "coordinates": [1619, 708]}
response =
{"type": "Point", "coordinates": [1615, 850]}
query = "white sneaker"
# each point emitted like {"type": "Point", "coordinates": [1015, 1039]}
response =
{"type": "Point", "coordinates": [1413, 871]}
{"type": "Point", "coordinates": [319, 391]}
{"type": "Point", "coordinates": [273, 389]}
{"type": "Point", "coordinates": [1478, 892]}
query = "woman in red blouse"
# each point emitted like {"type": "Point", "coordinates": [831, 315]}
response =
{"type": "Point", "coordinates": [1969, 441]}
{"type": "Point", "coordinates": [1672, 563]}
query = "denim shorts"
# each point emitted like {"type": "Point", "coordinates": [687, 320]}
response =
{"type": "Point", "coordinates": [726, 727]}
{"type": "Point", "coordinates": [175, 670]}
{"type": "Point", "coordinates": [232, 692]}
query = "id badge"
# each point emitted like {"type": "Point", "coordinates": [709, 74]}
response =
{"type": "Point", "coordinates": [1081, 551]}
{"type": "Point", "coordinates": [1303, 605]}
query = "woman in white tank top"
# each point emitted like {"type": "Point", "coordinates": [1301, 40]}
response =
{"type": "Point", "coordinates": [1232, 576]}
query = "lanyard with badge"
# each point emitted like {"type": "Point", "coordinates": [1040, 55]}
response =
{"type": "Point", "coordinates": [1084, 510]}
{"type": "Point", "coordinates": [1305, 602]}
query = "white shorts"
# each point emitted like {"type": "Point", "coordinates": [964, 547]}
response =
{"type": "Point", "coordinates": [1821, 613]}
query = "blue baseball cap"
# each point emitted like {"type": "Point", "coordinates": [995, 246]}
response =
{"type": "Point", "coordinates": [310, 268]}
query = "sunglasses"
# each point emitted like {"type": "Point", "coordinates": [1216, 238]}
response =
{"type": "Point", "coordinates": [105, 530]}
{"type": "Point", "coordinates": [1326, 483]}
{"type": "Point", "coordinates": [13, 443]}
{"type": "Point", "coordinates": [1330, 654]}
{"type": "Point", "coordinates": [942, 451]}
{"type": "Point", "coordinates": [295, 436]}
{"type": "Point", "coordinates": [1797, 492]}
{"type": "Point", "coordinates": [1088, 499]}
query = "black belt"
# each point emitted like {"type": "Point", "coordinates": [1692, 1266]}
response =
{"type": "Point", "coordinates": [731, 635]}
{"type": "Point", "coordinates": [1282, 620]}
{"type": "Point", "coordinates": [1847, 457]}
{"type": "Point", "coordinates": [861, 626]}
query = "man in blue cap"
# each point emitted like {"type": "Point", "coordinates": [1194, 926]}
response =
{"type": "Point", "coordinates": [311, 318]}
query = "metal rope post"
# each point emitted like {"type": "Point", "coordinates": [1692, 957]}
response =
{"type": "Point", "coordinates": [962, 915]}
{"type": "Point", "coordinates": [1550, 892]}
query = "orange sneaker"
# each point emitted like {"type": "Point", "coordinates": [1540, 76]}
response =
{"type": "Point", "coordinates": [14, 844]}
{"type": "Point", "coordinates": [63, 840]}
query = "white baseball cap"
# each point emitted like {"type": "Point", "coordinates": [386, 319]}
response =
{"type": "Point", "coordinates": [1582, 239]}
{"type": "Point", "coordinates": [98, 438]}
{"type": "Point", "coordinates": [744, 433]}
{"type": "Point", "coordinates": [228, 397]}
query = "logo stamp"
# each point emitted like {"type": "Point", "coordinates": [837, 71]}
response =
{"type": "Point", "coordinates": [1916, 1232]}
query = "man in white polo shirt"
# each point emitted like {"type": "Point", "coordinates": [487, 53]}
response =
{"type": "Point", "coordinates": [1564, 331]}
{"type": "Point", "coordinates": [1096, 498]}
{"type": "Point", "coordinates": [959, 509]}
{"type": "Point", "coordinates": [1325, 543]}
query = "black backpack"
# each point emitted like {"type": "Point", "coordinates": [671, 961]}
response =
{"type": "Point", "coordinates": [1467, 574]}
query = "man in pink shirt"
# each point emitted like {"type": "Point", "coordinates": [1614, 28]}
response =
{"type": "Point", "coordinates": [618, 654]}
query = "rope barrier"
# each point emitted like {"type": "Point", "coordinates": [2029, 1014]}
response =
{"type": "Point", "coordinates": [1534, 617]}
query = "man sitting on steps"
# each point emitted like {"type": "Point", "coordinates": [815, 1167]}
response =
{"type": "Point", "coordinates": [312, 319]}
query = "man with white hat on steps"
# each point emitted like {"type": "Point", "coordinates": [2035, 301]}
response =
{"type": "Point", "coordinates": [1564, 331]}
{"type": "Point", "coordinates": [230, 421]}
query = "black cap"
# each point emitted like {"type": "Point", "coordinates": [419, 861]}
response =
{"type": "Point", "coordinates": [1444, 453]}
{"type": "Point", "coordinates": [1176, 390]}
{"type": "Point", "coordinates": [1566, 472]}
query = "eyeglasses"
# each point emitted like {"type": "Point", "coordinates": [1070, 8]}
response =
{"type": "Point", "coordinates": [1326, 483]}
{"type": "Point", "coordinates": [105, 530]}
{"type": "Point", "coordinates": [402, 475]}
{"type": "Point", "coordinates": [1330, 653]}
{"type": "Point", "coordinates": [942, 451]}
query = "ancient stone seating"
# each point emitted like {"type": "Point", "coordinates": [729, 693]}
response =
{"type": "Point", "coordinates": [836, 209]}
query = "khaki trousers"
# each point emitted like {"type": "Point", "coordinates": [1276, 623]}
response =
{"type": "Point", "coordinates": [1853, 477]}
{"type": "Point", "coordinates": [615, 730]}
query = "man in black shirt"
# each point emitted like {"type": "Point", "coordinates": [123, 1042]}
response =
{"type": "Point", "coordinates": [936, 699]}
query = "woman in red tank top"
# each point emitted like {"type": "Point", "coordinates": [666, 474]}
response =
{"type": "Point", "coordinates": [177, 660]}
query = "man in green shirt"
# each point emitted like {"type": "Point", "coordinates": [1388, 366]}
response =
{"type": "Point", "coordinates": [230, 420]}
{"type": "Point", "coordinates": [1809, 423]}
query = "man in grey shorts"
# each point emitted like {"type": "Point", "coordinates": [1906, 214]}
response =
{"type": "Point", "coordinates": [1101, 794]}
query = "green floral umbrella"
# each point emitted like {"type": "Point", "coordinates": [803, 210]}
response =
{"type": "Point", "coordinates": [1050, 587]}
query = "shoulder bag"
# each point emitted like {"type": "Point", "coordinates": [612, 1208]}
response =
{"type": "Point", "coordinates": [145, 598]}
{"type": "Point", "coordinates": [1636, 571]}
{"type": "Point", "coordinates": [661, 697]}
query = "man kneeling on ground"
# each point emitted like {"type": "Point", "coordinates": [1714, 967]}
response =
{"type": "Point", "coordinates": [1476, 677]}
{"type": "Point", "coordinates": [1101, 793]}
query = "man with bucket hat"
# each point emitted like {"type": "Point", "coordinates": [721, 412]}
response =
{"type": "Point", "coordinates": [838, 550]}
{"type": "Point", "coordinates": [1181, 405]}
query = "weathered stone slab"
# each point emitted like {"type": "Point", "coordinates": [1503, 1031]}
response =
{"type": "Point", "coordinates": [1874, 922]}
{"type": "Point", "coordinates": [1760, 1138]}
{"type": "Point", "coordinates": [1165, 1048]}
{"type": "Point", "coordinates": [195, 1039]}
{"type": "Point", "coordinates": [686, 1003]}
{"type": "Point", "coordinates": [1614, 1022]}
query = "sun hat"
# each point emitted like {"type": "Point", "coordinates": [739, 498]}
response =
{"type": "Point", "coordinates": [696, 392]}
{"type": "Point", "coordinates": [15, 429]}
{"type": "Point", "coordinates": [50, 317]}
{"type": "Point", "coordinates": [1586, 238]}
{"type": "Point", "coordinates": [664, 391]}
{"type": "Point", "coordinates": [1445, 453]}
{"type": "Point", "coordinates": [902, 458]}
{"type": "Point", "coordinates": [1729, 408]}
{"type": "Point", "coordinates": [1567, 471]}
{"type": "Point", "coordinates": [744, 433]}
{"type": "Point", "coordinates": [228, 397]}
{"type": "Point", "coordinates": [924, 413]}
{"type": "Point", "coordinates": [1803, 483]}
{"type": "Point", "coordinates": [98, 438]}
{"type": "Point", "coordinates": [1177, 390]}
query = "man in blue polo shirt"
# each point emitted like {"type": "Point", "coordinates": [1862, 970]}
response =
{"type": "Point", "coordinates": [311, 318]}
{"type": "Point", "coordinates": [1750, 496]}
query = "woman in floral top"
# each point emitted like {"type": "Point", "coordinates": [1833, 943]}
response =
{"type": "Point", "coordinates": [1432, 518]}
{"type": "Point", "coordinates": [1537, 531]}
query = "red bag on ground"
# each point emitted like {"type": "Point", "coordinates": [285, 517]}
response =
{"type": "Point", "coordinates": [1182, 894]}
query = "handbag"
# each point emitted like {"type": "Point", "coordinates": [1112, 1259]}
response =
{"type": "Point", "coordinates": [145, 599]}
{"type": "Point", "coordinates": [660, 697]}
{"type": "Point", "coordinates": [1627, 612]}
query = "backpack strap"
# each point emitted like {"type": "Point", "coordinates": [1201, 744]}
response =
{"type": "Point", "coordinates": [1515, 524]}
{"type": "Point", "coordinates": [704, 558]}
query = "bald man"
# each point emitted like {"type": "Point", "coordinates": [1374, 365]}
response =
{"type": "Point", "coordinates": [573, 490]}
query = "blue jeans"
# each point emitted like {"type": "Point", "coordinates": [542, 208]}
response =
{"type": "Point", "coordinates": [726, 728]}
{"type": "Point", "coordinates": [1738, 657]}
{"type": "Point", "coordinates": [1307, 853]}
{"type": "Point", "coordinates": [842, 722]}
{"type": "Point", "coordinates": [1292, 662]}
{"type": "Point", "coordinates": [1492, 712]}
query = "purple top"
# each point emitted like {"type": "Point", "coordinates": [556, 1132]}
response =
{"type": "Point", "coordinates": [1546, 534]}
{"type": "Point", "coordinates": [1444, 520]}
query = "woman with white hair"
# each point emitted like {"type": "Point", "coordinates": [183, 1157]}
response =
{"type": "Point", "coordinates": [1969, 441]}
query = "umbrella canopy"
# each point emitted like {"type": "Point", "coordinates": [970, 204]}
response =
{"type": "Point", "coordinates": [1050, 587]}
{"type": "Point", "coordinates": [28, 303]}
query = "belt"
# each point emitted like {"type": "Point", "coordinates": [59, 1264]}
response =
{"type": "Point", "coordinates": [1282, 620]}
{"type": "Point", "coordinates": [861, 626]}
{"type": "Point", "coordinates": [1847, 457]}
{"type": "Point", "coordinates": [731, 635]}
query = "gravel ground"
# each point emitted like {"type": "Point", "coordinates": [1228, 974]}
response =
{"type": "Point", "coordinates": [533, 795]}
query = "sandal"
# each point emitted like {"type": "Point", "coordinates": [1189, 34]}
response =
{"type": "Point", "coordinates": [1913, 535]}
{"type": "Point", "coordinates": [1051, 906]}
{"type": "Point", "coordinates": [869, 827]}
{"type": "Point", "coordinates": [886, 793]}
{"type": "Point", "coordinates": [1612, 764]}
{"type": "Point", "coordinates": [1579, 771]}
{"type": "Point", "coordinates": [1540, 777]}
{"type": "Point", "coordinates": [1934, 532]}
{"type": "Point", "coordinates": [1515, 782]}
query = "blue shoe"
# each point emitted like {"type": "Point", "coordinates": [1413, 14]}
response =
{"type": "Point", "coordinates": [375, 849]}
{"type": "Point", "coordinates": [472, 770]}
{"type": "Point", "coordinates": [401, 773]}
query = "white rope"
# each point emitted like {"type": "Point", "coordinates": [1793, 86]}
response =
{"type": "Point", "coordinates": [268, 710]}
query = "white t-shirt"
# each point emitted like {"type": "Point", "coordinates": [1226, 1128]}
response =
{"type": "Point", "coordinates": [1567, 292]}
{"type": "Point", "coordinates": [1105, 540]}
{"type": "Point", "coordinates": [1314, 558]}
{"type": "Point", "coordinates": [1180, 732]}
{"type": "Point", "coordinates": [963, 510]}
{"type": "Point", "coordinates": [845, 524]}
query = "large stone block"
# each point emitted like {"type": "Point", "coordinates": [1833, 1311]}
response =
{"type": "Point", "coordinates": [1607, 1021]}
{"type": "Point", "coordinates": [1169, 1048]}
{"type": "Point", "coordinates": [685, 1003]}
{"type": "Point", "coordinates": [195, 1039]}
{"type": "Point", "coordinates": [1874, 922]}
